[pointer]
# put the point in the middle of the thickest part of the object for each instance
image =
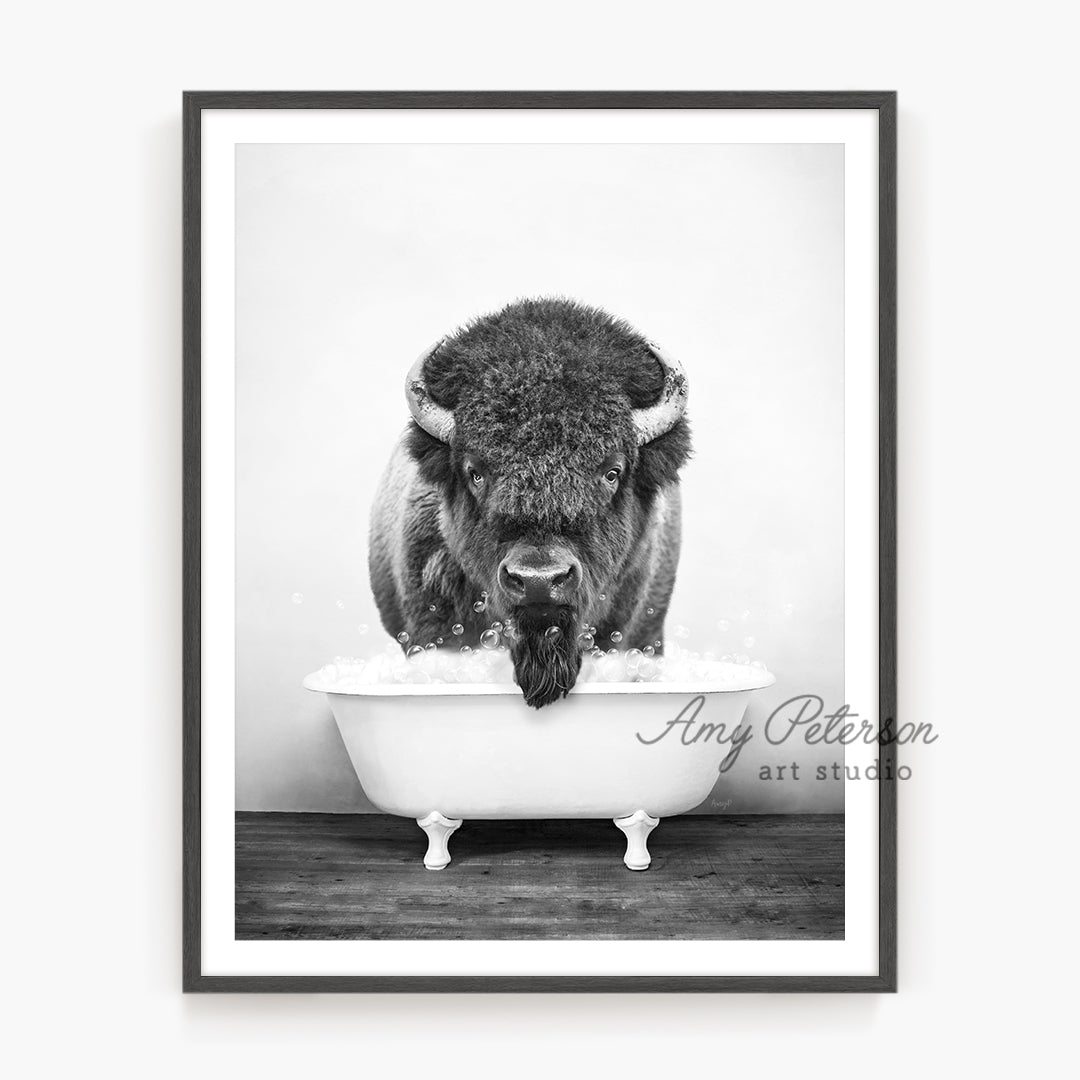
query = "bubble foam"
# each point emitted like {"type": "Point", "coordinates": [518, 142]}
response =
{"type": "Point", "coordinates": [493, 666]}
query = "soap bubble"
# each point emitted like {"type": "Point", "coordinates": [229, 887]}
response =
{"type": "Point", "coordinates": [748, 642]}
{"type": "Point", "coordinates": [553, 633]}
{"type": "Point", "coordinates": [403, 637]}
{"type": "Point", "coordinates": [465, 649]}
{"type": "Point", "coordinates": [603, 596]}
{"type": "Point", "coordinates": [458, 629]}
{"type": "Point", "coordinates": [681, 632]}
{"type": "Point", "coordinates": [432, 607]}
{"type": "Point", "coordinates": [497, 627]}
{"type": "Point", "coordinates": [586, 640]}
{"type": "Point", "coordinates": [649, 650]}
{"type": "Point", "coordinates": [297, 597]}
{"type": "Point", "coordinates": [789, 609]}
{"type": "Point", "coordinates": [431, 646]}
{"type": "Point", "coordinates": [490, 639]}
{"type": "Point", "coordinates": [341, 605]}
{"type": "Point", "coordinates": [723, 625]}
{"type": "Point", "coordinates": [633, 659]}
{"type": "Point", "coordinates": [414, 652]}
{"type": "Point", "coordinates": [650, 611]}
{"type": "Point", "coordinates": [610, 669]}
{"type": "Point", "coordinates": [479, 606]}
{"type": "Point", "coordinates": [438, 641]}
{"type": "Point", "coordinates": [363, 628]}
{"type": "Point", "coordinates": [745, 615]}
{"type": "Point", "coordinates": [616, 636]}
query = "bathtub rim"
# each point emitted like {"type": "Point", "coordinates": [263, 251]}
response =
{"type": "Point", "coordinates": [759, 681]}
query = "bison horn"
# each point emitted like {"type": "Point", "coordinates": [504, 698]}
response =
{"type": "Point", "coordinates": [652, 422]}
{"type": "Point", "coordinates": [432, 417]}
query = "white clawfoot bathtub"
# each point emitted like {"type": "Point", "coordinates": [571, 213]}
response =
{"type": "Point", "coordinates": [633, 752]}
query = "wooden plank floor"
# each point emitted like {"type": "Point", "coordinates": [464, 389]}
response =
{"type": "Point", "coordinates": [341, 876]}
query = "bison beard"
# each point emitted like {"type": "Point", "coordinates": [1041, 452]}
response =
{"type": "Point", "coordinates": [545, 666]}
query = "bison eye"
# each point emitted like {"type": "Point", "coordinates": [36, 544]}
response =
{"type": "Point", "coordinates": [476, 477]}
{"type": "Point", "coordinates": [612, 476]}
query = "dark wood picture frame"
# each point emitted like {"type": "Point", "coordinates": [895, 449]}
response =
{"type": "Point", "coordinates": [195, 102]}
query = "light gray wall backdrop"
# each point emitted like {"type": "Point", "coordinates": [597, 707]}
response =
{"type": "Point", "coordinates": [352, 259]}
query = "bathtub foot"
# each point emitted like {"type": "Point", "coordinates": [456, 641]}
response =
{"type": "Point", "coordinates": [439, 830]}
{"type": "Point", "coordinates": [637, 828]}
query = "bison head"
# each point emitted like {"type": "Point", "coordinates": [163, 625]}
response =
{"type": "Point", "coordinates": [550, 429]}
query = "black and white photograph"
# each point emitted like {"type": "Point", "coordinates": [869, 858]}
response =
{"type": "Point", "coordinates": [529, 443]}
{"type": "Point", "coordinates": [541, 517]}
{"type": "Point", "coordinates": [543, 459]}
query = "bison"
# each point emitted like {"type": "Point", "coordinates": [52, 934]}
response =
{"type": "Point", "coordinates": [537, 486]}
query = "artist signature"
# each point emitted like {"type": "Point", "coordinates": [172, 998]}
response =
{"type": "Point", "coordinates": [803, 714]}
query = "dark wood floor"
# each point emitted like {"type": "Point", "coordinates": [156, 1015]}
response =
{"type": "Point", "coordinates": [339, 876]}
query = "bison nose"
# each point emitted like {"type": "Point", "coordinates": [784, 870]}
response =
{"type": "Point", "coordinates": [529, 580]}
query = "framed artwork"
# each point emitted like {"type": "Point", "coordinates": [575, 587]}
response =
{"type": "Point", "coordinates": [539, 542]}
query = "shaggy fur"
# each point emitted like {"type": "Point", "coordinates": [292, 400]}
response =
{"type": "Point", "coordinates": [543, 394]}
